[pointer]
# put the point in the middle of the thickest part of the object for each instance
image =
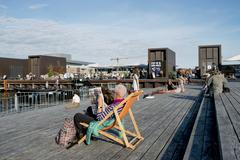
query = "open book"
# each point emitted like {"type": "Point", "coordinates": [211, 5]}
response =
{"type": "Point", "coordinates": [94, 93]}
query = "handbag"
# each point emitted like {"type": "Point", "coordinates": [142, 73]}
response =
{"type": "Point", "coordinates": [66, 136]}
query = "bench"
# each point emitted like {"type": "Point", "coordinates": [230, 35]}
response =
{"type": "Point", "coordinates": [201, 144]}
{"type": "Point", "coordinates": [227, 107]}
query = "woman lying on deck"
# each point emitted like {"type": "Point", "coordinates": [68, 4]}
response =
{"type": "Point", "coordinates": [171, 88]}
{"type": "Point", "coordinates": [119, 94]}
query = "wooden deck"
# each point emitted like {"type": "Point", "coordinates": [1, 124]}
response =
{"type": "Point", "coordinates": [228, 121]}
{"type": "Point", "coordinates": [165, 122]}
{"type": "Point", "coordinates": [203, 142]}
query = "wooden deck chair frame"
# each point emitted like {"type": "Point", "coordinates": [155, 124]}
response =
{"type": "Point", "coordinates": [137, 138]}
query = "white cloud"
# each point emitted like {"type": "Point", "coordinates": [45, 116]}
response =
{"type": "Point", "coordinates": [22, 37]}
{"type": "Point", "coordinates": [37, 6]}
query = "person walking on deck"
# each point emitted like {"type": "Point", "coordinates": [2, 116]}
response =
{"type": "Point", "coordinates": [181, 83]}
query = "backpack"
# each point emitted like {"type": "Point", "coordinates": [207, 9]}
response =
{"type": "Point", "coordinates": [66, 137]}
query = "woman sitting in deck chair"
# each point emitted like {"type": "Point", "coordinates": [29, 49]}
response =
{"type": "Point", "coordinates": [119, 94]}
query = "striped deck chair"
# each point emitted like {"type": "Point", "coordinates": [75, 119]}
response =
{"type": "Point", "coordinates": [135, 136]}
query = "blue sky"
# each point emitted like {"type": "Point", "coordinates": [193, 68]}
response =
{"type": "Point", "coordinates": [98, 30]}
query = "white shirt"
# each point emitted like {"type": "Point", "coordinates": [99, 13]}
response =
{"type": "Point", "coordinates": [76, 99]}
{"type": "Point", "coordinates": [135, 82]}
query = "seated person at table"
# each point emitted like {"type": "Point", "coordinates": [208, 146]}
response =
{"type": "Point", "coordinates": [119, 94]}
{"type": "Point", "coordinates": [75, 101]}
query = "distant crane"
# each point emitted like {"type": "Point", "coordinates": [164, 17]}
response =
{"type": "Point", "coordinates": [117, 59]}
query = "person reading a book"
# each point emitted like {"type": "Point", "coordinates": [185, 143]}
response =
{"type": "Point", "coordinates": [100, 98]}
{"type": "Point", "coordinates": [97, 101]}
{"type": "Point", "coordinates": [120, 92]}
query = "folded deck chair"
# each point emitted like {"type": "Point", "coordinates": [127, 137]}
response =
{"type": "Point", "coordinates": [126, 134]}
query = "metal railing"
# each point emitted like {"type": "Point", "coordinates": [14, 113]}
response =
{"type": "Point", "coordinates": [7, 104]}
{"type": "Point", "coordinates": [24, 101]}
{"type": "Point", "coordinates": [29, 100]}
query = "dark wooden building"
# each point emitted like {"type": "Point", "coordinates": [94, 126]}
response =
{"type": "Point", "coordinates": [40, 64]}
{"type": "Point", "coordinates": [37, 65]}
{"type": "Point", "coordinates": [161, 62]}
{"type": "Point", "coordinates": [208, 56]}
{"type": "Point", "coordinates": [12, 67]}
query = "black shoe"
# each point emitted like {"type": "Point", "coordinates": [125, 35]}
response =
{"type": "Point", "coordinates": [145, 95]}
{"type": "Point", "coordinates": [93, 138]}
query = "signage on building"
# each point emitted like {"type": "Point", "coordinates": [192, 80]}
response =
{"type": "Point", "coordinates": [156, 68]}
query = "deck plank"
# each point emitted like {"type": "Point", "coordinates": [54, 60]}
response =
{"type": "Point", "coordinates": [154, 151]}
{"type": "Point", "coordinates": [156, 115]}
{"type": "Point", "coordinates": [231, 106]}
{"type": "Point", "coordinates": [203, 142]}
{"type": "Point", "coordinates": [30, 135]}
{"type": "Point", "coordinates": [228, 123]}
{"type": "Point", "coordinates": [149, 138]}
{"type": "Point", "coordinates": [177, 143]}
{"type": "Point", "coordinates": [153, 132]}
